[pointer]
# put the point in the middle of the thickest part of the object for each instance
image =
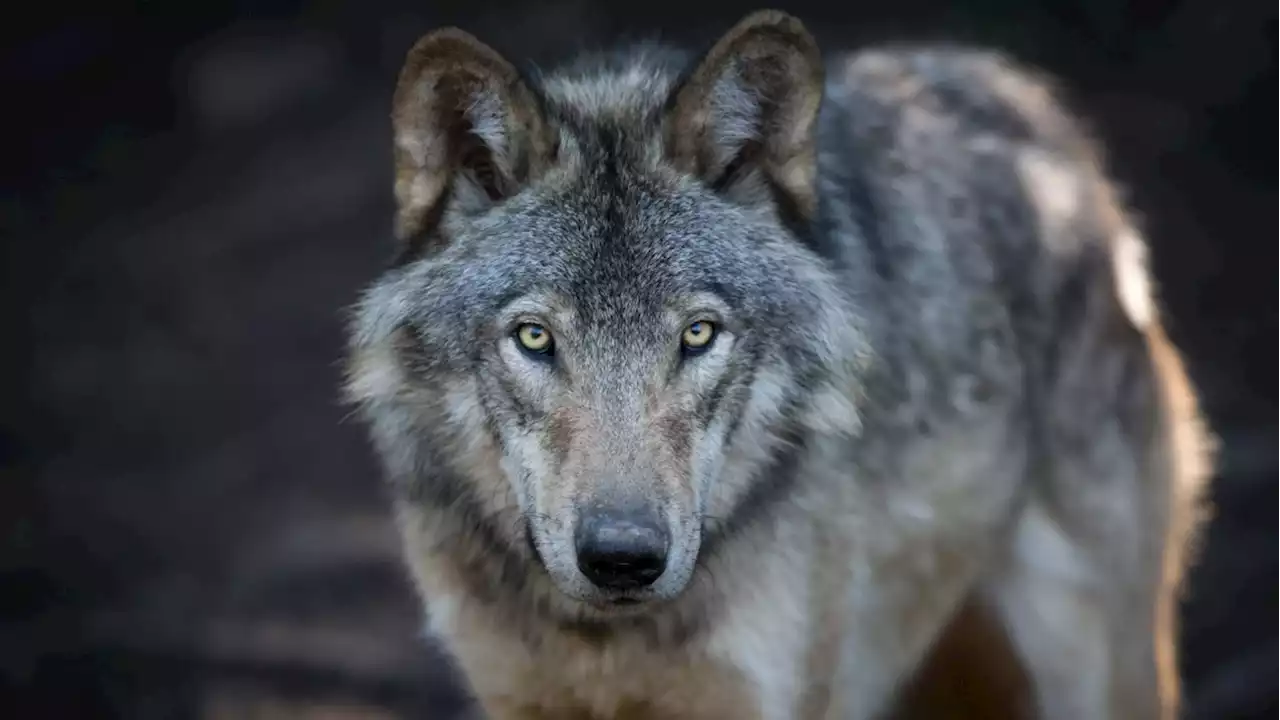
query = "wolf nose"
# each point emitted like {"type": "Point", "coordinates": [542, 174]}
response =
{"type": "Point", "coordinates": [621, 553]}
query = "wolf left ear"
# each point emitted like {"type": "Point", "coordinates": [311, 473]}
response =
{"type": "Point", "coordinates": [743, 121]}
{"type": "Point", "coordinates": [468, 130]}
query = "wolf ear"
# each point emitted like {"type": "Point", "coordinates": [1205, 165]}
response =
{"type": "Point", "coordinates": [467, 130]}
{"type": "Point", "coordinates": [743, 121]}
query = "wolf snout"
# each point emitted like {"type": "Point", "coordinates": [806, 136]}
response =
{"type": "Point", "coordinates": [621, 552]}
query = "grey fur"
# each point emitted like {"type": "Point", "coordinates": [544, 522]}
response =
{"type": "Point", "coordinates": [908, 372]}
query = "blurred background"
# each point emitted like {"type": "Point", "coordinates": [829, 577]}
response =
{"type": "Point", "coordinates": [192, 191]}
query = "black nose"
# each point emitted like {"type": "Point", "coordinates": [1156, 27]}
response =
{"type": "Point", "coordinates": [621, 552]}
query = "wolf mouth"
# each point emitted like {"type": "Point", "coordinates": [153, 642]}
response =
{"type": "Point", "coordinates": [530, 542]}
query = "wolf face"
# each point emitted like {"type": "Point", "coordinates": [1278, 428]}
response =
{"type": "Point", "coordinates": [608, 329]}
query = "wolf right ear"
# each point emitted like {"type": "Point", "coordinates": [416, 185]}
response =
{"type": "Point", "coordinates": [747, 112]}
{"type": "Point", "coordinates": [467, 130]}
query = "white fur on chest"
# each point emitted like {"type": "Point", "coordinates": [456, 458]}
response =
{"type": "Point", "coordinates": [735, 671]}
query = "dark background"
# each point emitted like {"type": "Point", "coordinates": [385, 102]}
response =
{"type": "Point", "coordinates": [193, 190]}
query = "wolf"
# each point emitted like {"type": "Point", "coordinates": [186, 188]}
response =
{"type": "Point", "coordinates": [717, 385]}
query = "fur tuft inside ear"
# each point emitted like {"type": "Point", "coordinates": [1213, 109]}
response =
{"type": "Point", "coordinates": [468, 131]}
{"type": "Point", "coordinates": [743, 121]}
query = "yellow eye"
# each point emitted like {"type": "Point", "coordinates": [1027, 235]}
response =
{"type": "Point", "coordinates": [698, 335]}
{"type": "Point", "coordinates": [534, 338]}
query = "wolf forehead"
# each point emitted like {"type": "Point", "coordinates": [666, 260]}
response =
{"type": "Point", "coordinates": [630, 85]}
{"type": "Point", "coordinates": [610, 256]}
{"type": "Point", "coordinates": [615, 240]}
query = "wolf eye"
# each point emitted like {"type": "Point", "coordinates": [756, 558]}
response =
{"type": "Point", "coordinates": [534, 338]}
{"type": "Point", "coordinates": [698, 336]}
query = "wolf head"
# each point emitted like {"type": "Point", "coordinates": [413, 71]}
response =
{"type": "Point", "coordinates": [608, 326]}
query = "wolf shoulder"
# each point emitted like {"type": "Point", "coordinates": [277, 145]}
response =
{"type": "Point", "coordinates": [978, 92]}
{"type": "Point", "coordinates": [969, 162]}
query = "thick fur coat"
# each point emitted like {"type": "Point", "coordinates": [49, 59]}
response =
{"type": "Point", "coordinates": [865, 344]}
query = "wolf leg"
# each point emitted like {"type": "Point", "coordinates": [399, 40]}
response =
{"type": "Point", "coordinates": [1088, 588]}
